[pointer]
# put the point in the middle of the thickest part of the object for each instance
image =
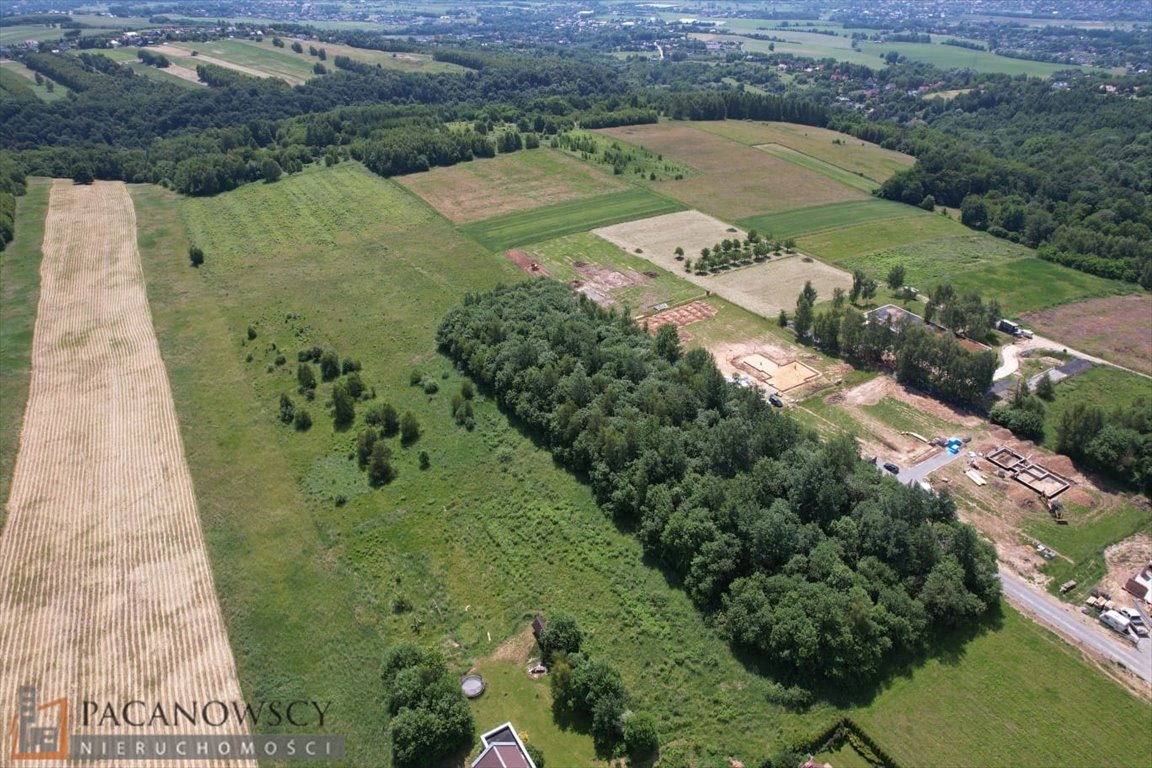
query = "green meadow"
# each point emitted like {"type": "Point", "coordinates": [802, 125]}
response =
{"type": "Point", "coordinates": [953, 57]}
{"type": "Point", "coordinates": [15, 77]}
{"type": "Point", "coordinates": [971, 262]}
{"type": "Point", "coordinates": [486, 537]}
{"type": "Point", "coordinates": [841, 225]}
{"type": "Point", "coordinates": [527, 227]}
{"type": "Point", "coordinates": [273, 62]}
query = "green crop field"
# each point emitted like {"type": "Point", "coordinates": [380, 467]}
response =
{"type": "Point", "coordinates": [813, 164]}
{"type": "Point", "coordinates": [952, 57]}
{"type": "Point", "coordinates": [281, 63]}
{"type": "Point", "coordinates": [492, 532]}
{"type": "Point", "coordinates": [891, 232]}
{"type": "Point", "coordinates": [19, 294]}
{"type": "Point", "coordinates": [560, 257]}
{"type": "Point", "coordinates": [840, 218]}
{"type": "Point", "coordinates": [527, 227]}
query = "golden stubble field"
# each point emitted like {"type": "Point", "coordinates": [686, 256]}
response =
{"type": "Point", "coordinates": [105, 588]}
{"type": "Point", "coordinates": [734, 180]}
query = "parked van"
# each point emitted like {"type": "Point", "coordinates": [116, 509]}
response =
{"type": "Point", "coordinates": [1115, 621]}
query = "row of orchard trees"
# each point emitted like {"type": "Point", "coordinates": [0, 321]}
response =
{"type": "Point", "coordinates": [735, 251]}
{"type": "Point", "coordinates": [796, 548]}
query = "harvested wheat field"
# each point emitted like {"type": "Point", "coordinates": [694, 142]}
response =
{"type": "Point", "coordinates": [734, 180]}
{"type": "Point", "coordinates": [105, 589]}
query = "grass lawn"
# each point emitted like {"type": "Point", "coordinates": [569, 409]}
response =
{"type": "Point", "coordinates": [559, 257]}
{"type": "Point", "coordinates": [1088, 533]}
{"type": "Point", "coordinates": [513, 697]}
{"type": "Point", "coordinates": [1018, 685]}
{"type": "Point", "coordinates": [19, 294]}
{"type": "Point", "coordinates": [527, 227]}
{"type": "Point", "coordinates": [858, 216]}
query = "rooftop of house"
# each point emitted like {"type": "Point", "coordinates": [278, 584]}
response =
{"type": "Point", "coordinates": [503, 749]}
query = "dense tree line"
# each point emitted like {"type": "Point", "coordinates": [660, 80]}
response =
{"type": "Point", "coordinates": [11, 186]}
{"type": "Point", "coordinates": [1068, 170]}
{"type": "Point", "coordinates": [797, 548]}
{"type": "Point", "coordinates": [1115, 442]}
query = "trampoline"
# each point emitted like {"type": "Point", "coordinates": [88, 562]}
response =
{"type": "Point", "coordinates": [472, 685]}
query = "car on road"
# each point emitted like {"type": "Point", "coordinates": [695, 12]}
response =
{"type": "Point", "coordinates": [891, 467]}
{"type": "Point", "coordinates": [775, 400]}
{"type": "Point", "coordinates": [1136, 620]}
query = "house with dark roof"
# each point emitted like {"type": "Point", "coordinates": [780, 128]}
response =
{"type": "Point", "coordinates": [503, 749]}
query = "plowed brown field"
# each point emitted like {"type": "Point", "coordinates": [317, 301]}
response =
{"type": "Point", "coordinates": [105, 588]}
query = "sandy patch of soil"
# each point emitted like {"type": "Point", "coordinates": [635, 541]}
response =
{"type": "Point", "coordinates": [685, 314]}
{"type": "Point", "coordinates": [105, 589]}
{"type": "Point", "coordinates": [526, 262]}
{"type": "Point", "coordinates": [1124, 559]}
{"type": "Point", "coordinates": [1116, 328]}
{"type": "Point", "coordinates": [517, 648]}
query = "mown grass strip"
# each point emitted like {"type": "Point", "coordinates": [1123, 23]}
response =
{"type": "Point", "coordinates": [856, 181]}
{"type": "Point", "coordinates": [830, 216]}
{"type": "Point", "coordinates": [526, 227]}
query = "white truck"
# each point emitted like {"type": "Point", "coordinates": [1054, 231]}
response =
{"type": "Point", "coordinates": [1115, 621]}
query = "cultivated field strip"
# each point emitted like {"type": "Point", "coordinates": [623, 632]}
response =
{"type": "Point", "coordinates": [105, 588]}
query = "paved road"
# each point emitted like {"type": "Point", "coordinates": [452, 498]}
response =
{"type": "Point", "coordinates": [1040, 342]}
{"type": "Point", "coordinates": [920, 471]}
{"type": "Point", "coordinates": [1077, 628]}
{"type": "Point", "coordinates": [1010, 362]}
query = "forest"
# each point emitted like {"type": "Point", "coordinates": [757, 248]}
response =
{"type": "Point", "coordinates": [796, 548]}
